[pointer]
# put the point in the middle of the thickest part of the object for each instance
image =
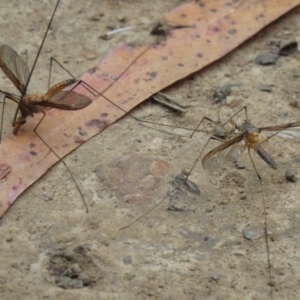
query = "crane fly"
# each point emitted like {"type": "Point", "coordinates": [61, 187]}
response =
{"type": "Point", "coordinates": [17, 71]}
{"type": "Point", "coordinates": [15, 68]}
{"type": "Point", "coordinates": [244, 135]}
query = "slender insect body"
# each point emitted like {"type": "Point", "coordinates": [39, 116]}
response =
{"type": "Point", "coordinates": [251, 133]}
{"type": "Point", "coordinates": [266, 157]}
{"type": "Point", "coordinates": [31, 104]}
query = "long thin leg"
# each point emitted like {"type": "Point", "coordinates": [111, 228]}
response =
{"type": "Point", "coordinates": [266, 224]}
{"type": "Point", "coordinates": [2, 116]}
{"type": "Point", "coordinates": [243, 108]}
{"type": "Point", "coordinates": [269, 137]}
{"type": "Point", "coordinates": [90, 89]}
{"type": "Point", "coordinates": [194, 164]}
{"type": "Point", "coordinates": [169, 193]}
{"type": "Point", "coordinates": [15, 99]}
{"type": "Point", "coordinates": [219, 123]}
{"type": "Point", "coordinates": [61, 160]}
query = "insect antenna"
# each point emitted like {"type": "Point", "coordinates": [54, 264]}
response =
{"type": "Point", "coordinates": [36, 59]}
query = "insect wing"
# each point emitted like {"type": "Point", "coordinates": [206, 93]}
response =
{"type": "Point", "coordinates": [66, 100]}
{"type": "Point", "coordinates": [14, 67]}
{"type": "Point", "coordinates": [226, 152]}
{"type": "Point", "coordinates": [288, 130]}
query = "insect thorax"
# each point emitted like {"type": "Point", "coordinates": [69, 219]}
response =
{"type": "Point", "coordinates": [27, 106]}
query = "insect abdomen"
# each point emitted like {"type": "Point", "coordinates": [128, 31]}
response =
{"type": "Point", "coordinates": [266, 157]}
{"type": "Point", "coordinates": [58, 87]}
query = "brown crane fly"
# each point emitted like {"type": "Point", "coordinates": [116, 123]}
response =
{"type": "Point", "coordinates": [15, 68]}
{"type": "Point", "coordinates": [245, 136]}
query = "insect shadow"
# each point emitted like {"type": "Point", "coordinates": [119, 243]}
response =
{"type": "Point", "coordinates": [243, 135]}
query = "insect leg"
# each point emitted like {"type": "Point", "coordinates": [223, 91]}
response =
{"type": "Point", "coordinates": [266, 222]}
{"type": "Point", "coordinates": [60, 159]}
{"type": "Point", "coordinates": [230, 119]}
{"type": "Point", "coordinates": [2, 116]}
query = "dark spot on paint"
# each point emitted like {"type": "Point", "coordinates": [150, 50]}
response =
{"type": "Point", "coordinates": [180, 65]}
{"type": "Point", "coordinates": [235, 1]}
{"type": "Point", "coordinates": [82, 132]}
{"type": "Point", "coordinates": [137, 80]}
{"type": "Point", "coordinates": [206, 239]}
{"type": "Point", "coordinates": [199, 55]}
{"type": "Point", "coordinates": [208, 41]}
{"type": "Point", "coordinates": [228, 4]}
{"type": "Point", "coordinates": [260, 16]}
{"type": "Point", "coordinates": [213, 10]}
{"type": "Point", "coordinates": [227, 37]}
{"type": "Point", "coordinates": [130, 47]}
{"type": "Point", "coordinates": [14, 188]}
{"type": "Point", "coordinates": [164, 58]}
{"type": "Point", "coordinates": [226, 17]}
{"type": "Point", "coordinates": [233, 23]}
{"type": "Point", "coordinates": [94, 122]}
{"type": "Point", "coordinates": [78, 140]}
{"type": "Point", "coordinates": [215, 29]}
{"type": "Point", "coordinates": [104, 115]}
{"type": "Point", "coordinates": [201, 4]}
{"type": "Point", "coordinates": [97, 123]}
{"type": "Point", "coordinates": [198, 36]}
{"type": "Point", "coordinates": [183, 15]}
{"type": "Point", "coordinates": [31, 145]}
{"type": "Point", "coordinates": [153, 74]}
{"type": "Point", "coordinates": [232, 31]}
{"type": "Point", "coordinates": [33, 153]}
{"type": "Point", "coordinates": [92, 70]}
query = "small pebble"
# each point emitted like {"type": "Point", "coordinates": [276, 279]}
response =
{"type": "Point", "coordinates": [272, 237]}
{"type": "Point", "coordinates": [89, 54]}
{"type": "Point", "coordinates": [290, 175]}
{"type": "Point", "coordinates": [49, 195]}
{"type": "Point", "coordinates": [253, 233]}
{"type": "Point", "coordinates": [85, 279]}
{"type": "Point", "coordinates": [288, 47]}
{"type": "Point", "coordinates": [75, 283]}
{"type": "Point", "coordinates": [281, 272]}
{"type": "Point", "coordinates": [265, 88]}
{"type": "Point", "coordinates": [63, 282]}
{"type": "Point", "coordinates": [215, 276]}
{"type": "Point", "coordinates": [265, 59]}
{"type": "Point", "coordinates": [221, 92]}
{"type": "Point", "coordinates": [239, 252]}
{"type": "Point", "coordinates": [76, 268]}
{"type": "Point", "coordinates": [191, 186]}
{"type": "Point", "coordinates": [231, 100]}
{"type": "Point", "coordinates": [122, 18]}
